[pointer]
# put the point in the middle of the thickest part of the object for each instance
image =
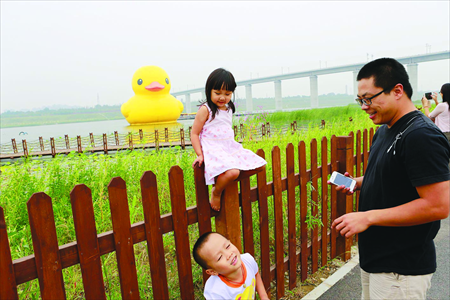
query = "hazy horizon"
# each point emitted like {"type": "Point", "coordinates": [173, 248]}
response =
{"type": "Point", "coordinates": [74, 53]}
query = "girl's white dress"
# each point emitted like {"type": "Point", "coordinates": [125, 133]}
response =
{"type": "Point", "coordinates": [220, 151]}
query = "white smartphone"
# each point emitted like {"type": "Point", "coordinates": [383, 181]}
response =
{"type": "Point", "coordinates": [339, 179]}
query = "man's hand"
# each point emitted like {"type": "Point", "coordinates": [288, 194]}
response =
{"type": "Point", "coordinates": [343, 189]}
{"type": "Point", "coordinates": [351, 223]}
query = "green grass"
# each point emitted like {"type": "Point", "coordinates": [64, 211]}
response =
{"type": "Point", "coordinates": [57, 177]}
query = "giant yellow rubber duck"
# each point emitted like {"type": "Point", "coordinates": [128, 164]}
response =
{"type": "Point", "coordinates": [152, 102]}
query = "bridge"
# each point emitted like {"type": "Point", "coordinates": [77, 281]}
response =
{"type": "Point", "coordinates": [411, 62]}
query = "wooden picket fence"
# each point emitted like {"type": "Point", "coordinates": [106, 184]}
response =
{"type": "Point", "coordinates": [348, 153]}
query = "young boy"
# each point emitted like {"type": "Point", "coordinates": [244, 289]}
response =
{"type": "Point", "coordinates": [233, 276]}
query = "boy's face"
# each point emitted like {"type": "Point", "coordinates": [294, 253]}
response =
{"type": "Point", "coordinates": [221, 255]}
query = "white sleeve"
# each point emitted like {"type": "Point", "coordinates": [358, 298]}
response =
{"type": "Point", "coordinates": [250, 262]}
{"type": "Point", "coordinates": [440, 108]}
{"type": "Point", "coordinates": [215, 289]}
{"type": "Point", "coordinates": [213, 295]}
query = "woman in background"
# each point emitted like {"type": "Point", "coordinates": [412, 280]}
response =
{"type": "Point", "coordinates": [441, 114]}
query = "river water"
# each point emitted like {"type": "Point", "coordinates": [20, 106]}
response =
{"type": "Point", "coordinates": [32, 133]}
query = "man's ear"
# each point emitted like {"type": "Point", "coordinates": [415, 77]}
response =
{"type": "Point", "coordinates": [211, 272]}
{"type": "Point", "coordinates": [398, 91]}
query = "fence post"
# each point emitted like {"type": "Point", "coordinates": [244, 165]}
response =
{"type": "Point", "coordinates": [156, 140]}
{"type": "Point", "coordinates": [25, 148]}
{"type": "Point", "coordinates": [14, 145]}
{"type": "Point", "coordinates": [263, 130]}
{"type": "Point", "coordinates": [8, 288]}
{"type": "Point", "coordinates": [80, 150]}
{"type": "Point", "coordinates": [130, 140]}
{"type": "Point", "coordinates": [105, 143]}
{"type": "Point", "coordinates": [41, 143]}
{"type": "Point", "coordinates": [66, 137]}
{"type": "Point", "coordinates": [182, 140]}
{"type": "Point", "coordinates": [141, 135]}
{"type": "Point", "coordinates": [241, 129]}
{"type": "Point", "coordinates": [91, 137]}
{"type": "Point", "coordinates": [344, 203]}
{"type": "Point", "coordinates": [52, 146]}
{"type": "Point", "coordinates": [228, 222]}
{"type": "Point", "coordinates": [116, 137]}
{"type": "Point", "coordinates": [166, 135]}
{"type": "Point", "coordinates": [268, 129]}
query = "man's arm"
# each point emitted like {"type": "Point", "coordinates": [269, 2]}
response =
{"type": "Point", "coordinates": [433, 205]}
{"type": "Point", "coordinates": [260, 288]}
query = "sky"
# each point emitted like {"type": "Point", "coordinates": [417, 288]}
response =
{"type": "Point", "coordinates": [80, 53]}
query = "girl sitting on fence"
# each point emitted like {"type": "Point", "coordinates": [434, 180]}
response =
{"type": "Point", "coordinates": [212, 137]}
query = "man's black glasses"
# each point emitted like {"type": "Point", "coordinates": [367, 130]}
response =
{"type": "Point", "coordinates": [368, 101]}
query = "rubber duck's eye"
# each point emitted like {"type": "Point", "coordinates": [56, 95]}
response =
{"type": "Point", "coordinates": [139, 81]}
{"type": "Point", "coordinates": [167, 80]}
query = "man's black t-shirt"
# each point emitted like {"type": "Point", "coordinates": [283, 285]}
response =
{"type": "Point", "coordinates": [412, 153]}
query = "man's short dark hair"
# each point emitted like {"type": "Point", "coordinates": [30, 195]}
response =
{"type": "Point", "coordinates": [198, 246]}
{"type": "Point", "coordinates": [386, 73]}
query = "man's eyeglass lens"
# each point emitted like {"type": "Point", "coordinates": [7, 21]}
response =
{"type": "Point", "coordinates": [367, 101]}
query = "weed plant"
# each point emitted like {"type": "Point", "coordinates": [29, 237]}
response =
{"type": "Point", "coordinates": [58, 176]}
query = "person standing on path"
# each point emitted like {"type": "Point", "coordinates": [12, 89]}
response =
{"type": "Point", "coordinates": [405, 191]}
{"type": "Point", "coordinates": [441, 114]}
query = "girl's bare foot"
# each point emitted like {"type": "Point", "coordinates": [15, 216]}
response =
{"type": "Point", "coordinates": [215, 200]}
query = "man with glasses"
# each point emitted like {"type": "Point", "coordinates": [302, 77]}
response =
{"type": "Point", "coordinates": [405, 191]}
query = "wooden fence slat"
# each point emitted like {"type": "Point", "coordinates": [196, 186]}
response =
{"type": "Point", "coordinates": [247, 221]}
{"type": "Point", "coordinates": [292, 235]}
{"type": "Point", "coordinates": [324, 234]}
{"type": "Point", "coordinates": [344, 202]}
{"type": "Point", "coordinates": [120, 216]}
{"type": "Point", "coordinates": [333, 204]}
{"type": "Point", "coordinates": [203, 206]}
{"type": "Point", "coordinates": [8, 286]}
{"type": "Point", "coordinates": [52, 147]}
{"type": "Point", "coordinates": [365, 151]}
{"type": "Point", "coordinates": [45, 246]}
{"type": "Point", "coordinates": [153, 232]}
{"type": "Point", "coordinates": [105, 143]}
{"type": "Point", "coordinates": [263, 223]}
{"type": "Point", "coordinates": [314, 206]}
{"type": "Point", "coordinates": [358, 170]}
{"type": "Point", "coordinates": [180, 224]}
{"type": "Point", "coordinates": [87, 242]}
{"type": "Point", "coordinates": [304, 179]}
{"type": "Point", "coordinates": [278, 214]}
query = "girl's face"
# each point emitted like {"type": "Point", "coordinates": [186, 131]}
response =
{"type": "Point", "coordinates": [221, 98]}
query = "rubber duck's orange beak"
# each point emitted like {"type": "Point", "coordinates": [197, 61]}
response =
{"type": "Point", "coordinates": [154, 86]}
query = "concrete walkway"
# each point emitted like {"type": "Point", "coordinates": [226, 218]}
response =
{"type": "Point", "coordinates": [346, 283]}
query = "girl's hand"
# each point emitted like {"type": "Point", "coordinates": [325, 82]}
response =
{"type": "Point", "coordinates": [198, 160]}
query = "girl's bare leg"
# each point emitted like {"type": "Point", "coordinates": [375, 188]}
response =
{"type": "Point", "coordinates": [221, 183]}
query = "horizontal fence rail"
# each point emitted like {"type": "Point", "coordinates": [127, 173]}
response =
{"type": "Point", "coordinates": [295, 199]}
{"type": "Point", "coordinates": [132, 140]}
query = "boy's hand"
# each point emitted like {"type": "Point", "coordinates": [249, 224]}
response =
{"type": "Point", "coordinates": [198, 160]}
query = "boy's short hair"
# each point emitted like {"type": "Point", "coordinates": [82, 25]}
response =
{"type": "Point", "coordinates": [386, 72]}
{"type": "Point", "coordinates": [202, 240]}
